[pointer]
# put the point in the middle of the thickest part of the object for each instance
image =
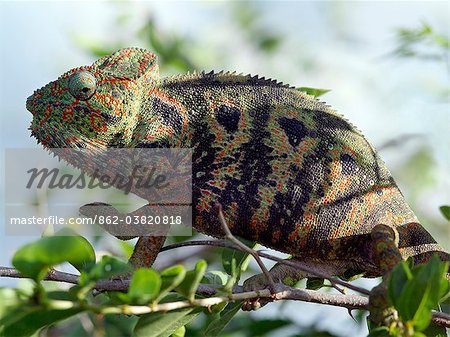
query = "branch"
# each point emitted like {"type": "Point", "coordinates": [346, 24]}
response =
{"type": "Point", "coordinates": [282, 292]}
{"type": "Point", "coordinates": [296, 264]}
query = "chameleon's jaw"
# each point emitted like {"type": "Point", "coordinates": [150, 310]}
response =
{"type": "Point", "coordinates": [29, 104]}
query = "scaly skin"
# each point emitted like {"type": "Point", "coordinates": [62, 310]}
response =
{"type": "Point", "coordinates": [289, 171]}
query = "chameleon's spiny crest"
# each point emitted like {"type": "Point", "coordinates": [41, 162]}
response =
{"type": "Point", "coordinates": [288, 170]}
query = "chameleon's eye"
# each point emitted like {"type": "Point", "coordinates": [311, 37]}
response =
{"type": "Point", "coordinates": [82, 85]}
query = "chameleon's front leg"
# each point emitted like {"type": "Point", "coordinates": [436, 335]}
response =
{"type": "Point", "coordinates": [281, 273]}
{"type": "Point", "coordinates": [288, 275]}
{"type": "Point", "coordinates": [386, 256]}
{"type": "Point", "coordinates": [147, 246]}
{"type": "Point", "coordinates": [146, 250]}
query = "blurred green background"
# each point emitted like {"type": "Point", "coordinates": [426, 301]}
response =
{"type": "Point", "coordinates": [387, 65]}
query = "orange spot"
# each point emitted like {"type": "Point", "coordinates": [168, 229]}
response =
{"type": "Point", "coordinates": [98, 123]}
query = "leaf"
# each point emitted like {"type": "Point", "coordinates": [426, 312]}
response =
{"type": "Point", "coordinates": [314, 283]}
{"type": "Point", "coordinates": [421, 294]}
{"type": "Point", "coordinates": [191, 281]}
{"type": "Point", "coordinates": [313, 91]}
{"type": "Point", "coordinates": [9, 298]}
{"type": "Point", "coordinates": [381, 331]}
{"type": "Point", "coordinates": [35, 259]}
{"type": "Point", "coordinates": [419, 334]}
{"type": "Point", "coordinates": [106, 268]}
{"type": "Point", "coordinates": [163, 324]}
{"type": "Point", "coordinates": [235, 261]}
{"type": "Point", "coordinates": [170, 278]}
{"type": "Point", "coordinates": [216, 277]}
{"type": "Point", "coordinates": [398, 277]}
{"type": "Point", "coordinates": [25, 321]}
{"type": "Point", "coordinates": [434, 330]}
{"type": "Point", "coordinates": [180, 332]}
{"type": "Point", "coordinates": [264, 327]}
{"type": "Point", "coordinates": [445, 210]}
{"type": "Point", "coordinates": [217, 325]}
{"type": "Point", "coordinates": [144, 285]}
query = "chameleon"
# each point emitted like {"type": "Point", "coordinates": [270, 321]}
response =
{"type": "Point", "coordinates": [289, 172]}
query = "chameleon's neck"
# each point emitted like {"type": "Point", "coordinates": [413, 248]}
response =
{"type": "Point", "coordinates": [162, 123]}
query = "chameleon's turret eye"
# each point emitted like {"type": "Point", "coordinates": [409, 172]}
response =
{"type": "Point", "coordinates": [82, 85]}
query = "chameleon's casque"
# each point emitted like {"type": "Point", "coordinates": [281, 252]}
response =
{"type": "Point", "coordinates": [288, 170]}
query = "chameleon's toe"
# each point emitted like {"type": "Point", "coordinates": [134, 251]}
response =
{"type": "Point", "coordinates": [256, 282]}
{"type": "Point", "coordinates": [253, 304]}
{"type": "Point", "coordinates": [97, 208]}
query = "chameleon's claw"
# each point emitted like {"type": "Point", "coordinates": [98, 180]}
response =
{"type": "Point", "coordinates": [256, 282]}
{"type": "Point", "coordinates": [253, 304]}
{"type": "Point", "coordinates": [95, 210]}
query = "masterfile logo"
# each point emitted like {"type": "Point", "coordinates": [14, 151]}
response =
{"type": "Point", "coordinates": [128, 192]}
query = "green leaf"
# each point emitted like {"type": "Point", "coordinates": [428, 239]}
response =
{"type": "Point", "coordinates": [10, 298]}
{"type": "Point", "coordinates": [106, 268]}
{"type": "Point", "coordinates": [216, 326]}
{"type": "Point", "coordinates": [35, 259]}
{"type": "Point", "coordinates": [170, 278]}
{"type": "Point", "coordinates": [435, 331]}
{"type": "Point", "coordinates": [25, 321]}
{"type": "Point", "coordinates": [216, 277]}
{"type": "Point", "coordinates": [421, 294]}
{"type": "Point", "coordinates": [445, 210]}
{"type": "Point", "coordinates": [313, 91]}
{"type": "Point", "coordinates": [180, 332]}
{"type": "Point", "coordinates": [419, 334]}
{"type": "Point", "coordinates": [191, 281]}
{"type": "Point", "coordinates": [265, 327]}
{"type": "Point", "coordinates": [314, 283]}
{"type": "Point", "coordinates": [235, 261]}
{"type": "Point", "coordinates": [398, 277]}
{"type": "Point", "coordinates": [381, 331]}
{"type": "Point", "coordinates": [144, 285]}
{"type": "Point", "coordinates": [163, 324]}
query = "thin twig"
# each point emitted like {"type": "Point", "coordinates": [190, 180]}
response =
{"type": "Point", "coordinates": [243, 247]}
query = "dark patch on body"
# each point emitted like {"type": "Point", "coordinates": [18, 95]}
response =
{"type": "Point", "coordinates": [253, 169]}
{"type": "Point", "coordinates": [169, 115]}
{"type": "Point", "coordinates": [154, 144]}
{"type": "Point", "coordinates": [349, 164]}
{"type": "Point", "coordinates": [294, 129]}
{"type": "Point", "coordinates": [228, 117]}
{"type": "Point", "coordinates": [326, 120]}
{"type": "Point", "coordinates": [412, 235]}
{"type": "Point", "coordinates": [116, 141]}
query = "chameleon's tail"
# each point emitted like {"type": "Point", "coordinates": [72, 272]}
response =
{"type": "Point", "coordinates": [416, 242]}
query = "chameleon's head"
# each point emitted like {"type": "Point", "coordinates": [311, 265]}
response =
{"type": "Point", "coordinates": [96, 105]}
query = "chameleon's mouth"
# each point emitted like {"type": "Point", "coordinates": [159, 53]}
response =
{"type": "Point", "coordinates": [30, 104]}
{"type": "Point", "coordinates": [33, 101]}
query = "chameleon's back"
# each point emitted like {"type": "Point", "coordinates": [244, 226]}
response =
{"type": "Point", "coordinates": [288, 170]}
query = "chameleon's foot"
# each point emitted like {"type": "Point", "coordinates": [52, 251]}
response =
{"type": "Point", "coordinates": [385, 247]}
{"type": "Point", "coordinates": [105, 216]}
{"type": "Point", "coordinates": [280, 273]}
{"type": "Point", "coordinates": [256, 282]}
{"type": "Point", "coordinates": [97, 208]}
{"type": "Point", "coordinates": [381, 312]}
